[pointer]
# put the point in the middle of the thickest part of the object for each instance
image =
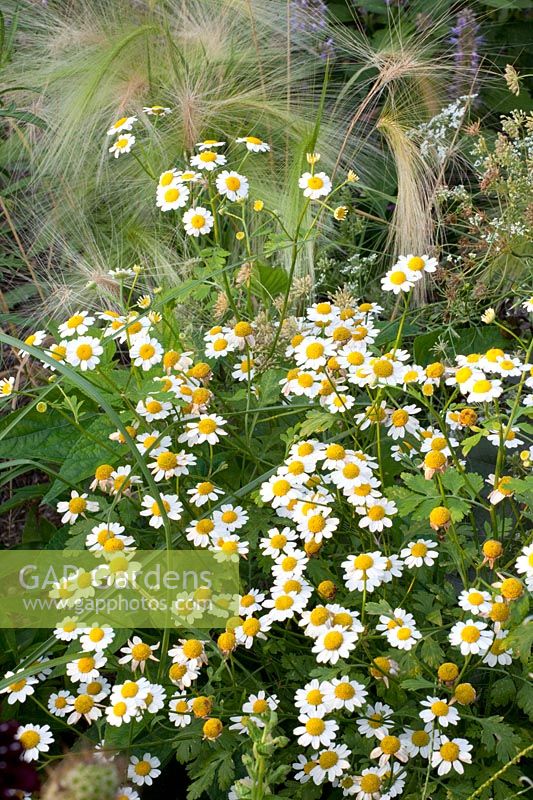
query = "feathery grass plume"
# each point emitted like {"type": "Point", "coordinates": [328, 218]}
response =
{"type": "Point", "coordinates": [399, 83]}
{"type": "Point", "coordinates": [221, 65]}
{"type": "Point", "coordinates": [412, 223]}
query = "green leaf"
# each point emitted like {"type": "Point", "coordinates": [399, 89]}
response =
{"type": "Point", "coordinates": [520, 641]}
{"type": "Point", "coordinates": [502, 692]}
{"type": "Point", "coordinates": [46, 434]}
{"type": "Point", "coordinates": [524, 699]}
{"type": "Point", "coordinates": [316, 422]}
{"type": "Point", "coordinates": [498, 737]}
{"type": "Point", "coordinates": [85, 455]}
{"type": "Point", "coordinates": [431, 652]}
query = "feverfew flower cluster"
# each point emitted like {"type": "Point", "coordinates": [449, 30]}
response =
{"type": "Point", "coordinates": [382, 578]}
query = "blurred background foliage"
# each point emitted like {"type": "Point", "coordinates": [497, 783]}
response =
{"type": "Point", "coordinates": [357, 81]}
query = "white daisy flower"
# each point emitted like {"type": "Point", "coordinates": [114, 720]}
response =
{"type": "Point", "coordinates": [97, 637]}
{"type": "Point", "coordinates": [484, 390]}
{"type": "Point", "coordinates": [19, 690]}
{"type": "Point", "coordinates": [403, 421]}
{"type": "Point", "coordinates": [315, 731]}
{"type": "Point", "coordinates": [252, 628]}
{"type": "Point", "coordinates": [498, 653]}
{"type": "Point", "coordinates": [172, 196]}
{"type": "Point", "coordinates": [58, 703]}
{"type": "Point", "coordinates": [232, 185]}
{"type": "Point", "coordinates": [123, 144]}
{"type": "Point", "coordinates": [84, 352]}
{"type": "Point", "coordinates": [157, 111]}
{"type": "Point", "coordinates": [415, 266]}
{"type": "Point", "coordinates": [368, 785]}
{"type": "Point", "coordinates": [208, 160]}
{"type": "Point", "coordinates": [208, 428]}
{"type": "Point", "coordinates": [151, 508]}
{"type": "Point", "coordinates": [152, 409]}
{"type": "Point", "coordinates": [376, 720]}
{"type": "Point", "coordinates": [333, 644]}
{"type": "Point", "coordinates": [68, 629]}
{"type": "Point", "coordinates": [315, 186]}
{"type": "Point", "coordinates": [419, 553]}
{"type": "Point", "coordinates": [76, 325]}
{"type": "Point", "coordinates": [364, 571]}
{"type": "Point", "coordinates": [7, 386]}
{"type": "Point", "coordinates": [330, 764]}
{"type": "Point", "coordinates": [138, 653]}
{"type": "Point", "coordinates": [278, 491]}
{"type": "Point", "coordinates": [122, 124]}
{"type": "Point", "coordinates": [471, 636]}
{"type": "Point", "coordinates": [436, 709]}
{"type": "Point", "coordinates": [390, 747]}
{"type": "Point", "coordinates": [311, 699]}
{"type": "Point", "coordinates": [198, 221]}
{"type": "Point", "coordinates": [398, 280]}
{"type": "Point", "coordinates": [179, 711]}
{"type": "Point", "coordinates": [313, 353]}
{"type": "Point", "coordinates": [209, 144]}
{"type": "Point", "coordinates": [35, 739]}
{"type": "Point", "coordinates": [376, 514]}
{"type": "Point", "coordinates": [127, 793]}
{"type": "Point", "coordinates": [78, 505]}
{"type": "Point", "coordinates": [253, 144]}
{"type": "Point", "coordinates": [417, 742]}
{"type": "Point", "coordinates": [203, 493]}
{"type": "Point", "coordinates": [475, 601]}
{"type": "Point", "coordinates": [121, 712]}
{"type": "Point", "coordinates": [152, 442]}
{"type": "Point", "coordinates": [143, 771]}
{"type": "Point", "coordinates": [250, 602]}
{"type": "Point", "coordinates": [82, 705]}
{"type": "Point", "coordinates": [451, 754]}
{"type": "Point", "coordinates": [87, 668]}
{"type": "Point", "coordinates": [343, 693]}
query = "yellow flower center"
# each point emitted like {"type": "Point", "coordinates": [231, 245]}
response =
{"type": "Point", "coordinates": [314, 350]}
{"type": "Point", "coordinates": [233, 183]}
{"type": "Point", "coordinates": [29, 739]}
{"type": "Point", "coordinates": [363, 562]}
{"type": "Point", "coordinates": [167, 461]}
{"type": "Point", "coordinates": [449, 751]}
{"type": "Point", "coordinates": [328, 759]}
{"type": "Point", "coordinates": [315, 182]}
{"type": "Point", "coordinates": [344, 691]}
{"type": "Point", "coordinates": [333, 640]}
{"type": "Point", "coordinates": [284, 602]}
{"type": "Point", "coordinates": [416, 264]}
{"type": "Point", "coordinates": [251, 626]}
{"type": "Point", "coordinates": [390, 745]}
{"type": "Point", "coordinates": [86, 665]}
{"type": "Point", "coordinates": [440, 708]}
{"type": "Point", "coordinates": [420, 738]}
{"type": "Point", "coordinates": [141, 651]}
{"type": "Point", "coordinates": [77, 505]}
{"type": "Point", "coordinates": [172, 194]}
{"type": "Point", "coordinates": [83, 704]}
{"type": "Point", "coordinates": [397, 277]}
{"type": "Point", "coordinates": [315, 726]}
{"type": "Point", "coordinates": [376, 513]}
{"type": "Point", "coordinates": [383, 368]}
{"type": "Point", "coordinates": [370, 783]}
